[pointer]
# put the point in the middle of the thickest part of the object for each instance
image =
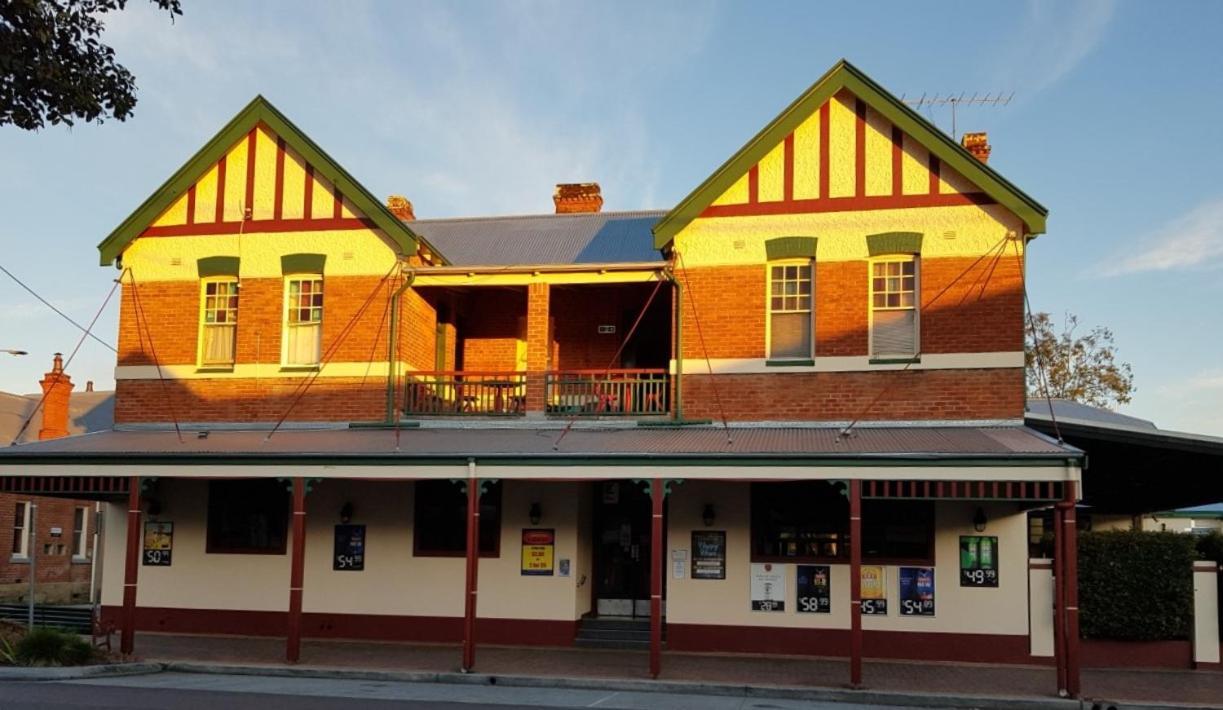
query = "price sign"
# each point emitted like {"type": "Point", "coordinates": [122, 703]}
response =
{"type": "Point", "coordinates": [349, 550]}
{"type": "Point", "coordinates": [537, 549]}
{"type": "Point", "coordinates": [978, 561]}
{"type": "Point", "coordinates": [874, 590]}
{"type": "Point", "coordinates": [158, 544]}
{"type": "Point", "coordinates": [814, 589]}
{"type": "Point", "coordinates": [917, 591]}
{"type": "Point", "coordinates": [768, 587]}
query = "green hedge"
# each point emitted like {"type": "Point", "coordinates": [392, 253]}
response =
{"type": "Point", "coordinates": [1136, 586]}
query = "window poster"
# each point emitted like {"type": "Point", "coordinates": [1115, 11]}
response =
{"type": "Point", "coordinates": [349, 552]}
{"type": "Point", "coordinates": [768, 587]}
{"type": "Point", "coordinates": [917, 591]}
{"type": "Point", "coordinates": [814, 589]}
{"type": "Point", "coordinates": [709, 554]}
{"type": "Point", "coordinates": [538, 546]}
{"type": "Point", "coordinates": [978, 561]}
{"type": "Point", "coordinates": [874, 590]}
{"type": "Point", "coordinates": [158, 544]}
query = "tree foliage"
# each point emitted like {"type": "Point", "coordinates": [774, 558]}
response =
{"type": "Point", "coordinates": [54, 68]}
{"type": "Point", "coordinates": [1083, 368]}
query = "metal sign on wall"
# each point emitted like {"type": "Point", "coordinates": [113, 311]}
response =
{"type": "Point", "coordinates": [538, 546]}
{"type": "Point", "coordinates": [814, 589]}
{"type": "Point", "coordinates": [158, 544]}
{"type": "Point", "coordinates": [349, 552]}
{"type": "Point", "coordinates": [768, 587]}
{"type": "Point", "coordinates": [917, 591]}
{"type": "Point", "coordinates": [874, 590]}
{"type": "Point", "coordinates": [709, 554]}
{"type": "Point", "coordinates": [978, 561]}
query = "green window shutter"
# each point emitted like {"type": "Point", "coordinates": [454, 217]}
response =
{"type": "Point", "coordinates": [218, 266]}
{"type": "Point", "coordinates": [894, 243]}
{"type": "Point", "coordinates": [302, 263]}
{"type": "Point", "coordinates": [790, 248]}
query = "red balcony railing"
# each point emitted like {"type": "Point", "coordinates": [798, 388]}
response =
{"type": "Point", "coordinates": [607, 392]}
{"type": "Point", "coordinates": [465, 393]}
{"type": "Point", "coordinates": [594, 393]}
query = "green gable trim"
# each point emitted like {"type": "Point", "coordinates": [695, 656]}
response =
{"type": "Point", "coordinates": [894, 243]}
{"type": "Point", "coordinates": [790, 248]}
{"type": "Point", "coordinates": [302, 263]}
{"type": "Point", "coordinates": [217, 266]}
{"type": "Point", "coordinates": [259, 110]}
{"type": "Point", "coordinates": [844, 75]}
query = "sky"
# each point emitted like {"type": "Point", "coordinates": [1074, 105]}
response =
{"type": "Point", "coordinates": [475, 108]}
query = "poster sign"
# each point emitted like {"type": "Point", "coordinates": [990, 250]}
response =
{"type": "Point", "coordinates": [768, 587]}
{"type": "Point", "coordinates": [158, 544]}
{"type": "Point", "coordinates": [814, 589]}
{"type": "Point", "coordinates": [679, 563]}
{"type": "Point", "coordinates": [709, 554]}
{"type": "Point", "coordinates": [978, 561]}
{"type": "Point", "coordinates": [917, 591]}
{"type": "Point", "coordinates": [349, 550]}
{"type": "Point", "coordinates": [874, 590]}
{"type": "Point", "coordinates": [537, 548]}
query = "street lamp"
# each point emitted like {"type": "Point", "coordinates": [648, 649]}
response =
{"type": "Point", "coordinates": [15, 353]}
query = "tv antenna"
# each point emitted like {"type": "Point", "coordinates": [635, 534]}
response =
{"type": "Point", "coordinates": [956, 100]}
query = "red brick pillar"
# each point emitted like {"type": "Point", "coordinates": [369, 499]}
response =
{"type": "Point", "coordinates": [539, 346]}
{"type": "Point", "coordinates": [56, 388]}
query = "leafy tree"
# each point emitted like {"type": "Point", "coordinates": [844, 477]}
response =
{"type": "Point", "coordinates": [53, 68]}
{"type": "Point", "coordinates": [1083, 368]}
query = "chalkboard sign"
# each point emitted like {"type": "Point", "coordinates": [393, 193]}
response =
{"type": "Point", "coordinates": [158, 544]}
{"type": "Point", "coordinates": [917, 591]}
{"type": "Point", "coordinates": [874, 590]}
{"type": "Point", "coordinates": [814, 589]}
{"type": "Point", "coordinates": [349, 553]}
{"type": "Point", "coordinates": [978, 561]}
{"type": "Point", "coordinates": [709, 554]}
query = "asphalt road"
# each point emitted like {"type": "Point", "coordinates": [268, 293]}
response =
{"type": "Point", "coordinates": [190, 691]}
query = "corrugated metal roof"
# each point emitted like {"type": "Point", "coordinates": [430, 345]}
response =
{"type": "Point", "coordinates": [595, 238]}
{"type": "Point", "coordinates": [87, 411]}
{"type": "Point", "coordinates": [926, 443]}
{"type": "Point", "coordinates": [1069, 409]}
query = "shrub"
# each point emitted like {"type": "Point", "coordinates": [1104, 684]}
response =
{"type": "Point", "coordinates": [52, 647]}
{"type": "Point", "coordinates": [1210, 546]}
{"type": "Point", "coordinates": [1136, 586]}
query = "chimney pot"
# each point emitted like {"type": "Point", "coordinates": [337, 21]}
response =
{"type": "Point", "coordinates": [401, 207]}
{"type": "Point", "coordinates": [977, 144]}
{"type": "Point", "coordinates": [89, 385]}
{"type": "Point", "coordinates": [579, 197]}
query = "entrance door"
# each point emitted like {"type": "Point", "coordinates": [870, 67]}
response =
{"type": "Point", "coordinates": [622, 549]}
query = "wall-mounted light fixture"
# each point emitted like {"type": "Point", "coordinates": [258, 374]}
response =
{"type": "Point", "coordinates": [979, 521]}
{"type": "Point", "coordinates": [536, 513]}
{"type": "Point", "coordinates": [346, 512]}
{"type": "Point", "coordinates": [708, 516]}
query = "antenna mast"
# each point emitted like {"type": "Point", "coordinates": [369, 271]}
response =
{"type": "Point", "coordinates": [956, 100]}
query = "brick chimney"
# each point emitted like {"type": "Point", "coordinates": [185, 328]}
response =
{"type": "Point", "coordinates": [579, 197]}
{"type": "Point", "coordinates": [57, 388]}
{"type": "Point", "coordinates": [977, 144]}
{"type": "Point", "coordinates": [400, 206]}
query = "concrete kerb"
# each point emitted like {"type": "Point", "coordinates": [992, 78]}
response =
{"type": "Point", "coordinates": [874, 697]}
{"type": "Point", "coordinates": [51, 673]}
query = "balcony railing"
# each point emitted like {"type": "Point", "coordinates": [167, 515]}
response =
{"type": "Point", "coordinates": [628, 393]}
{"type": "Point", "coordinates": [465, 393]}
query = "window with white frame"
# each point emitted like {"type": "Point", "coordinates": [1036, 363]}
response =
{"type": "Point", "coordinates": [303, 320]}
{"type": "Point", "coordinates": [894, 313]}
{"type": "Point", "coordinates": [218, 322]}
{"type": "Point", "coordinates": [790, 289]}
{"type": "Point", "coordinates": [21, 530]}
{"type": "Point", "coordinates": [80, 529]}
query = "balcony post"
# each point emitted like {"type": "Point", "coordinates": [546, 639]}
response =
{"type": "Point", "coordinates": [539, 347]}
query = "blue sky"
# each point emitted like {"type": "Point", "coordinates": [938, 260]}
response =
{"type": "Point", "coordinates": [480, 108]}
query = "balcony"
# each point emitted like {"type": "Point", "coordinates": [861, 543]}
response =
{"type": "Point", "coordinates": [585, 393]}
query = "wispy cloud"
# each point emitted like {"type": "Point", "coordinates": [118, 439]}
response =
{"type": "Point", "coordinates": [1052, 40]}
{"type": "Point", "coordinates": [1193, 403]}
{"type": "Point", "coordinates": [1193, 240]}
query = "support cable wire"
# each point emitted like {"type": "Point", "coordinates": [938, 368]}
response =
{"type": "Point", "coordinates": [81, 341]}
{"type": "Point", "coordinates": [148, 333]}
{"type": "Point", "coordinates": [1040, 361]}
{"type": "Point", "coordinates": [304, 385]}
{"type": "Point", "coordinates": [623, 343]}
{"type": "Point", "coordinates": [61, 314]}
{"type": "Point", "coordinates": [696, 315]}
{"type": "Point", "coordinates": [390, 294]}
{"type": "Point", "coordinates": [394, 368]}
{"type": "Point", "coordinates": [888, 386]}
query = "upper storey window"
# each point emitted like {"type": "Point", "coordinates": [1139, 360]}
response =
{"type": "Point", "coordinates": [303, 320]}
{"type": "Point", "coordinates": [790, 289]}
{"type": "Point", "coordinates": [894, 312]}
{"type": "Point", "coordinates": [219, 322]}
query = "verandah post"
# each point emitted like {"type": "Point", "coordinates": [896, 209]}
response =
{"type": "Point", "coordinates": [1059, 600]}
{"type": "Point", "coordinates": [1071, 547]}
{"type": "Point", "coordinates": [657, 495]}
{"type": "Point", "coordinates": [296, 571]}
{"type": "Point", "coordinates": [855, 583]}
{"type": "Point", "coordinates": [131, 567]}
{"type": "Point", "coordinates": [473, 568]}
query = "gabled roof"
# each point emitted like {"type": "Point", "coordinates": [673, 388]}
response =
{"type": "Point", "coordinates": [259, 110]}
{"type": "Point", "coordinates": [844, 75]}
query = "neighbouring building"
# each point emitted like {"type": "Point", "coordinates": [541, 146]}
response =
{"type": "Point", "coordinates": [785, 415]}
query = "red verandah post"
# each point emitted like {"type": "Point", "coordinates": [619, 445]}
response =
{"type": "Point", "coordinates": [1059, 601]}
{"type": "Point", "coordinates": [131, 567]}
{"type": "Point", "coordinates": [855, 583]}
{"type": "Point", "coordinates": [1071, 591]}
{"type": "Point", "coordinates": [473, 568]}
{"type": "Point", "coordinates": [296, 571]}
{"type": "Point", "coordinates": [658, 494]}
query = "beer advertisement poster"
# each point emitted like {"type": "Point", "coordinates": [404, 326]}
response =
{"type": "Point", "coordinates": [814, 589]}
{"type": "Point", "coordinates": [348, 554]}
{"type": "Point", "coordinates": [538, 547]}
{"type": "Point", "coordinates": [978, 561]}
{"type": "Point", "coordinates": [917, 591]}
{"type": "Point", "coordinates": [874, 590]}
{"type": "Point", "coordinates": [709, 554]}
{"type": "Point", "coordinates": [768, 587]}
{"type": "Point", "coordinates": [158, 544]}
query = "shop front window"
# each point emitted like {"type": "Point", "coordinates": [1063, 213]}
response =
{"type": "Point", "coordinates": [440, 528]}
{"type": "Point", "coordinates": [248, 517]}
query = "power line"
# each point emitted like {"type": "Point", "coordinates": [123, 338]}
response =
{"type": "Point", "coordinates": [63, 315]}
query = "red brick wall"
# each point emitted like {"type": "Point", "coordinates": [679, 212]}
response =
{"type": "Point", "coordinates": [490, 326]}
{"type": "Point", "coordinates": [55, 567]}
{"type": "Point", "coordinates": [249, 400]}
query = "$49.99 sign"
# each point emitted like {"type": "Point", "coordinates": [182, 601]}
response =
{"type": "Point", "coordinates": [978, 561]}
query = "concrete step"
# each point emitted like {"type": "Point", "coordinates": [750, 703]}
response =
{"type": "Point", "coordinates": [621, 645]}
{"type": "Point", "coordinates": [614, 634]}
{"type": "Point", "coordinates": [615, 622]}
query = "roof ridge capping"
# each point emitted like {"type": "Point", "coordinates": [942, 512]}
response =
{"type": "Point", "coordinates": [258, 110]}
{"type": "Point", "coordinates": [844, 75]}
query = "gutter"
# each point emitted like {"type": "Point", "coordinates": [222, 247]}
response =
{"type": "Point", "coordinates": [392, 359]}
{"type": "Point", "coordinates": [543, 268]}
